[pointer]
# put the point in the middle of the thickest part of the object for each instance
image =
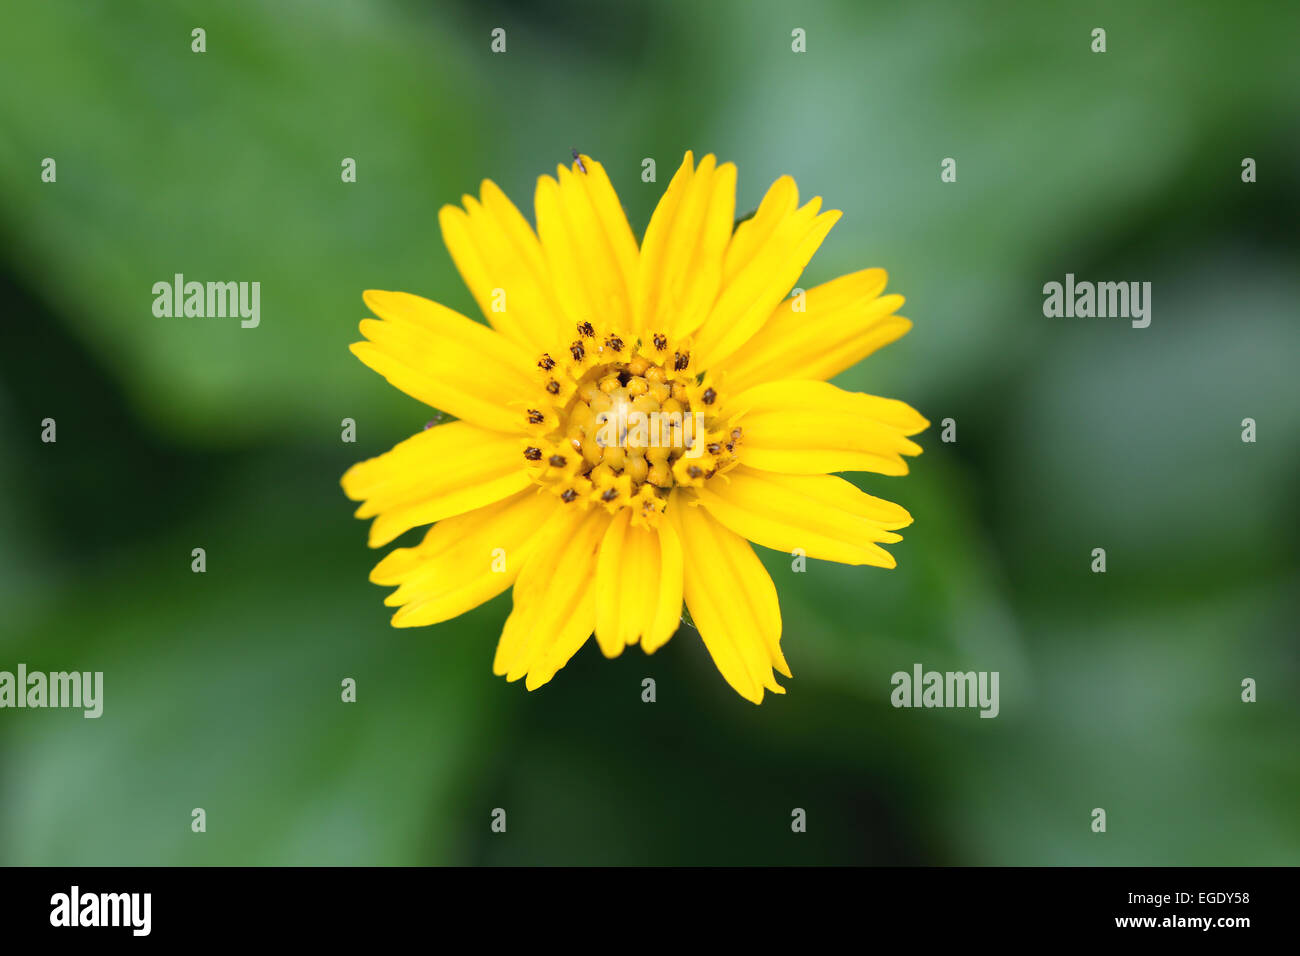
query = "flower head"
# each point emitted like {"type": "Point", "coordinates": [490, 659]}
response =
{"type": "Point", "coordinates": [630, 418]}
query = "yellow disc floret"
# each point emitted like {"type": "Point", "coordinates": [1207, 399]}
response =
{"type": "Point", "coordinates": [622, 419]}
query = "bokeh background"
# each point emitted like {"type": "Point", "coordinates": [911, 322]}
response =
{"type": "Point", "coordinates": [1119, 691]}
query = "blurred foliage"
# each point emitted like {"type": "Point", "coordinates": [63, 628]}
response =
{"type": "Point", "coordinates": [222, 690]}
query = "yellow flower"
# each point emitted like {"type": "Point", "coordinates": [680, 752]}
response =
{"type": "Point", "coordinates": [631, 417]}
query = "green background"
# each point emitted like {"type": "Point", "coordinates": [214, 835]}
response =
{"type": "Point", "coordinates": [1118, 690]}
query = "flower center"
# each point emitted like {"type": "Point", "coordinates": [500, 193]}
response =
{"type": "Point", "coordinates": [625, 420]}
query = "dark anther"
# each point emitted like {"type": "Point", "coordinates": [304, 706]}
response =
{"type": "Point", "coordinates": [557, 461]}
{"type": "Point", "coordinates": [535, 417]}
{"type": "Point", "coordinates": [585, 329]}
{"type": "Point", "coordinates": [681, 360]}
{"type": "Point", "coordinates": [578, 350]}
{"type": "Point", "coordinates": [568, 495]}
{"type": "Point", "coordinates": [709, 396]}
{"type": "Point", "coordinates": [533, 454]}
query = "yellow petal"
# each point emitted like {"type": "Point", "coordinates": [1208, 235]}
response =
{"type": "Point", "coordinates": [778, 205]}
{"type": "Point", "coordinates": [619, 591]}
{"type": "Point", "coordinates": [824, 516]}
{"type": "Point", "coordinates": [844, 321]}
{"type": "Point", "coordinates": [770, 260]}
{"type": "Point", "coordinates": [531, 583]}
{"type": "Point", "coordinates": [682, 254]}
{"type": "Point", "coordinates": [446, 360]}
{"type": "Point", "coordinates": [655, 248]}
{"type": "Point", "coordinates": [811, 428]}
{"type": "Point", "coordinates": [612, 240]}
{"type": "Point", "coordinates": [638, 586]}
{"type": "Point", "coordinates": [440, 472]}
{"type": "Point", "coordinates": [555, 599]}
{"type": "Point", "coordinates": [668, 604]}
{"type": "Point", "coordinates": [732, 601]}
{"type": "Point", "coordinates": [495, 248]}
{"type": "Point", "coordinates": [463, 561]}
{"type": "Point", "coordinates": [589, 248]}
